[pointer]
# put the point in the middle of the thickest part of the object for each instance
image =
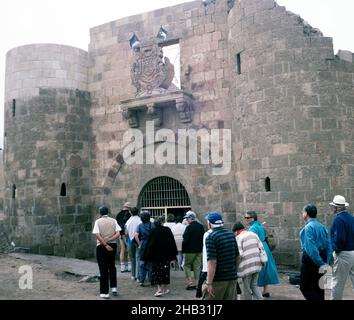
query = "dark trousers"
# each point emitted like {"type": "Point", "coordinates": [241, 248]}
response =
{"type": "Point", "coordinates": [106, 264]}
{"type": "Point", "coordinates": [310, 278]}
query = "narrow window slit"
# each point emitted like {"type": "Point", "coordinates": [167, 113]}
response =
{"type": "Point", "coordinates": [63, 190]}
{"type": "Point", "coordinates": [267, 184]}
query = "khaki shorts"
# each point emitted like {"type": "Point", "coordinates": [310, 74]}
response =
{"type": "Point", "coordinates": [123, 241]}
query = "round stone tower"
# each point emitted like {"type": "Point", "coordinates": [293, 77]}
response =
{"type": "Point", "coordinates": [293, 119]}
{"type": "Point", "coordinates": [47, 135]}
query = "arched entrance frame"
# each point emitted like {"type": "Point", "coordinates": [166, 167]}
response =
{"type": "Point", "coordinates": [206, 192]}
{"type": "Point", "coordinates": [118, 166]}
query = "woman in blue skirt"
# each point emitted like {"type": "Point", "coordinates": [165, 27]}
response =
{"type": "Point", "coordinates": [269, 273]}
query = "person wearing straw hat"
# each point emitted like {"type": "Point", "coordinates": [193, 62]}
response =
{"type": "Point", "coordinates": [122, 218]}
{"type": "Point", "coordinates": [342, 238]}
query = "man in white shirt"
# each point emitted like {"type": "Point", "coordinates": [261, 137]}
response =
{"type": "Point", "coordinates": [131, 228]}
{"type": "Point", "coordinates": [204, 271]}
{"type": "Point", "coordinates": [107, 231]}
{"type": "Point", "coordinates": [177, 230]}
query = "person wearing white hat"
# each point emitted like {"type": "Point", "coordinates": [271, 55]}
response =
{"type": "Point", "coordinates": [342, 238]}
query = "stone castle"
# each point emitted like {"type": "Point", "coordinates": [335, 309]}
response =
{"type": "Point", "coordinates": [249, 66]}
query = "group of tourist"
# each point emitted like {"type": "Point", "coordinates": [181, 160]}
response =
{"type": "Point", "coordinates": [321, 250]}
{"type": "Point", "coordinates": [215, 259]}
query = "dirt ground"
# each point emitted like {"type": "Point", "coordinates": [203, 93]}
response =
{"type": "Point", "coordinates": [53, 281]}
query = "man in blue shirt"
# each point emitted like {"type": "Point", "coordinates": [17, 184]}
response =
{"type": "Point", "coordinates": [342, 238]}
{"type": "Point", "coordinates": [316, 255]}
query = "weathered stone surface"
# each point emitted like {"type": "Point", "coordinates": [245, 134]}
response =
{"type": "Point", "coordinates": [312, 142]}
{"type": "Point", "coordinates": [51, 164]}
{"type": "Point", "coordinates": [289, 108]}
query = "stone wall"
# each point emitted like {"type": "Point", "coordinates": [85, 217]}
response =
{"type": "Point", "coordinates": [202, 34]}
{"type": "Point", "coordinates": [2, 184]}
{"type": "Point", "coordinates": [251, 66]}
{"type": "Point", "coordinates": [4, 240]}
{"type": "Point", "coordinates": [47, 134]}
{"type": "Point", "coordinates": [293, 119]}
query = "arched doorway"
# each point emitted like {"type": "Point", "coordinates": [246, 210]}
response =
{"type": "Point", "coordinates": [164, 195]}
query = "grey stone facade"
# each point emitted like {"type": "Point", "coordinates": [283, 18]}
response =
{"type": "Point", "coordinates": [47, 147]}
{"type": "Point", "coordinates": [249, 65]}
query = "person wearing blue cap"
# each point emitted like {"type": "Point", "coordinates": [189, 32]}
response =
{"type": "Point", "coordinates": [222, 256]}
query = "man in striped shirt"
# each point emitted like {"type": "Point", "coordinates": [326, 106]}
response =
{"type": "Point", "coordinates": [222, 256]}
{"type": "Point", "coordinates": [250, 265]}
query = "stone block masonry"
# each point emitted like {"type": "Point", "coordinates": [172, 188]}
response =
{"type": "Point", "coordinates": [249, 66]}
{"type": "Point", "coordinates": [47, 177]}
{"type": "Point", "coordinates": [288, 65]}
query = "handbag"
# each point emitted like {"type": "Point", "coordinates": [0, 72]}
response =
{"type": "Point", "coordinates": [269, 239]}
{"type": "Point", "coordinates": [262, 254]}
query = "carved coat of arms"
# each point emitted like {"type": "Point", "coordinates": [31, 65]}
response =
{"type": "Point", "coordinates": [151, 72]}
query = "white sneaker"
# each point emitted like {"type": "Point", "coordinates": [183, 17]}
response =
{"type": "Point", "coordinates": [133, 278]}
{"type": "Point", "coordinates": [114, 291]}
{"type": "Point", "coordinates": [104, 296]}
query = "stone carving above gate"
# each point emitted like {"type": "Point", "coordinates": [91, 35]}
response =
{"type": "Point", "coordinates": [152, 75]}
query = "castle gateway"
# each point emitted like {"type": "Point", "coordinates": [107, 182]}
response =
{"type": "Point", "coordinates": [246, 68]}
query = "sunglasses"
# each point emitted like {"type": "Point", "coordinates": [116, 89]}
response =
{"type": "Point", "coordinates": [248, 217]}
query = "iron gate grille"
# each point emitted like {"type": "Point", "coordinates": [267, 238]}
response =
{"type": "Point", "coordinates": [163, 193]}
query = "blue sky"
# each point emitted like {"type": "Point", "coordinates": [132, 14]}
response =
{"type": "Point", "coordinates": [68, 22]}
